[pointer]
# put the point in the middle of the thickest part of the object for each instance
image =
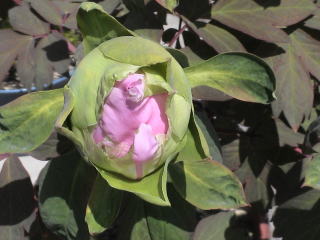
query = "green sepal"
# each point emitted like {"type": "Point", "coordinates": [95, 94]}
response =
{"type": "Point", "coordinates": [151, 188]}
{"type": "Point", "coordinates": [90, 84]}
{"type": "Point", "coordinates": [97, 26]}
{"type": "Point", "coordinates": [60, 123]}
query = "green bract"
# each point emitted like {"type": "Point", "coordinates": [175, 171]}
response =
{"type": "Point", "coordinates": [93, 80]}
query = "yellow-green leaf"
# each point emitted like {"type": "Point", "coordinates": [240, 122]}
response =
{"type": "Point", "coordinates": [28, 121]}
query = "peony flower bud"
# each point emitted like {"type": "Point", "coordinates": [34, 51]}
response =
{"type": "Point", "coordinates": [131, 107]}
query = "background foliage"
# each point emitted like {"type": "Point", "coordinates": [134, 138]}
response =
{"type": "Point", "coordinates": [271, 148]}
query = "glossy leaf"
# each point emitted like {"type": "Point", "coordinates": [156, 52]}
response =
{"type": "Point", "coordinates": [65, 185]}
{"type": "Point", "coordinates": [179, 56]}
{"type": "Point", "coordinates": [218, 38]}
{"type": "Point", "coordinates": [249, 17]}
{"type": "Point", "coordinates": [28, 121]}
{"type": "Point", "coordinates": [151, 34]}
{"type": "Point", "coordinates": [203, 122]}
{"type": "Point", "coordinates": [103, 206]}
{"type": "Point", "coordinates": [294, 87]}
{"type": "Point", "coordinates": [17, 200]}
{"type": "Point", "coordinates": [239, 75]}
{"type": "Point", "coordinates": [222, 225]}
{"type": "Point", "coordinates": [134, 227]}
{"type": "Point", "coordinates": [312, 176]}
{"type": "Point", "coordinates": [209, 94]}
{"type": "Point", "coordinates": [23, 20]}
{"type": "Point", "coordinates": [298, 218]}
{"type": "Point", "coordinates": [193, 58]}
{"type": "Point", "coordinates": [207, 185]}
{"type": "Point", "coordinates": [179, 220]}
{"type": "Point", "coordinates": [98, 26]}
{"type": "Point", "coordinates": [204, 183]}
{"type": "Point", "coordinates": [168, 4]}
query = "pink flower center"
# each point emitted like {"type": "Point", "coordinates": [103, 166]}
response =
{"type": "Point", "coordinates": [130, 119]}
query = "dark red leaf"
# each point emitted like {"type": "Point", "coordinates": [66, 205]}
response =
{"type": "Point", "coordinates": [23, 20]}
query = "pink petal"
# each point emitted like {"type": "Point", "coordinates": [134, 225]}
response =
{"type": "Point", "coordinates": [145, 146]}
{"type": "Point", "coordinates": [125, 111]}
{"type": "Point", "coordinates": [98, 134]}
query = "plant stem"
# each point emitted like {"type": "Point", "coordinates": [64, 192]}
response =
{"type": "Point", "coordinates": [176, 36]}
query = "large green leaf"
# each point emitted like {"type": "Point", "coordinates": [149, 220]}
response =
{"type": "Point", "coordinates": [249, 17]}
{"type": "Point", "coordinates": [298, 218]}
{"type": "Point", "coordinates": [28, 121]}
{"type": "Point", "coordinates": [17, 200]}
{"type": "Point", "coordinates": [65, 185]}
{"type": "Point", "coordinates": [220, 226]}
{"type": "Point", "coordinates": [97, 26]}
{"type": "Point", "coordinates": [240, 75]}
{"type": "Point", "coordinates": [204, 183]}
{"type": "Point", "coordinates": [103, 206]}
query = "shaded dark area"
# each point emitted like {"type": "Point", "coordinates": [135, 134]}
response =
{"type": "Point", "coordinates": [180, 218]}
{"type": "Point", "coordinates": [298, 218]}
{"type": "Point", "coordinates": [17, 199]}
{"type": "Point", "coordinates": [5, 6]}
{"type": "Point", "coordinates": [68, 180]}
{"type": "Point", "coordinates": [194, 9]}
{"type": "Point", "coordinates": [198, 46]}
{"type": "Point", "coordinates": [57, 51]}
{"type": "Point", "coordinates": [312, 137]}
{"type": "Point", "coordinates": [268, 3]}
{"type": "Point", "coordinates": [55, 146]}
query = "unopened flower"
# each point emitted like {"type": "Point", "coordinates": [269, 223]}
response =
{"type": "Point", "coordinates": [131, 108]}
